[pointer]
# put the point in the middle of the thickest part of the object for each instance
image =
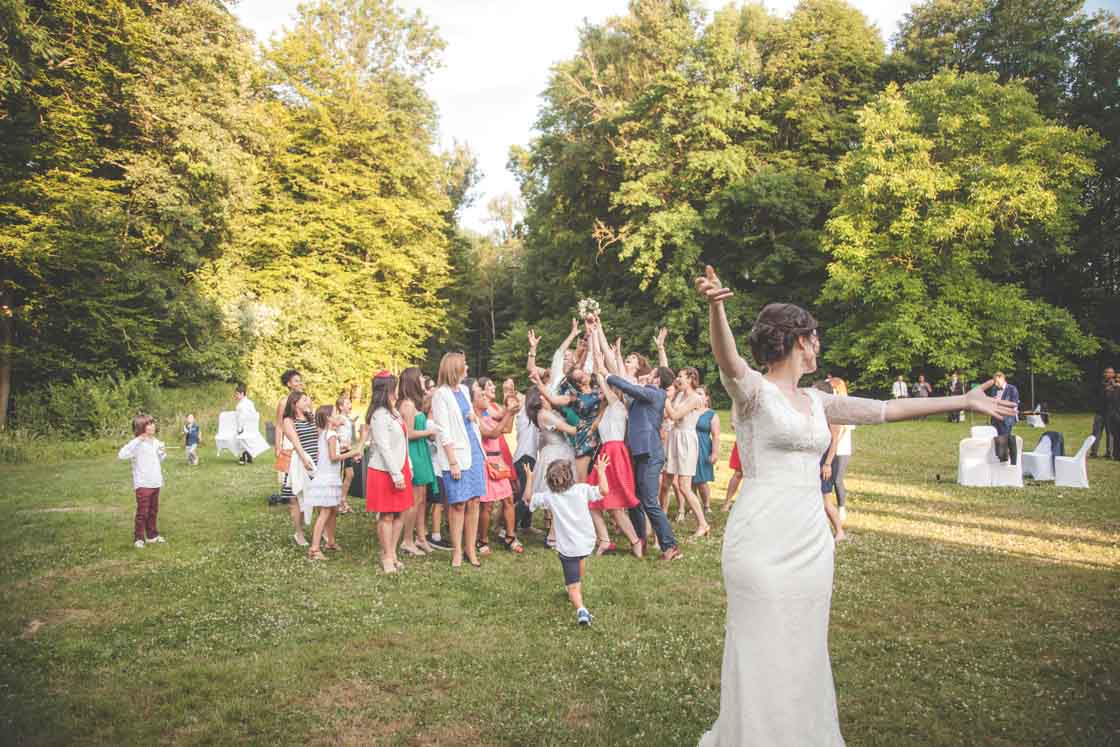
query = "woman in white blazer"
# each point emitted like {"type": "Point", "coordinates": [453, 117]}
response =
{"type": "Point", "coordinates": [459, 456]}
{"type": "Point", "coordinates": [389, 476]}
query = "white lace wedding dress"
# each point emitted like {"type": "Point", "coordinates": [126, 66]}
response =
{"type": "Point", "coordinates": [776, 683]}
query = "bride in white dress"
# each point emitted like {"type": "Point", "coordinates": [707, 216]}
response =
{"type": "Point", "coordinates": [776, 682]}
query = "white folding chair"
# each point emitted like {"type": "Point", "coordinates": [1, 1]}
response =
{"type": "Point", "coordinates": [1070, 472]}
{"type": "Point", "coordinates": [250, 439]}
{"type": "Point", "coordinates": [974, 467]}
{"type": "Point", "coordinates": [227, 432]}
{"type": "Point", "coordinates": [1039, 463]}
{"type": "Point", "coordinates": [984, 431]}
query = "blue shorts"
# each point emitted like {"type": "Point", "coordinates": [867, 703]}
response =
{"type": "Point", "coordinates": [571, 569]}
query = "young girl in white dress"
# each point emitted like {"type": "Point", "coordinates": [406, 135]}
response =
{"type": "Point", "coordinates": [325, 488]}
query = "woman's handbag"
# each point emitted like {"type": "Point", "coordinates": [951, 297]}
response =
{"type": "Point", "coordinates": [496, 469]}
{"type": "Point", "coordinates": [283, 461]}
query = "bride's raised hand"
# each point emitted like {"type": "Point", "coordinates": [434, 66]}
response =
{"type": "Point", "coordinates": [978, 401]}
{"type": "Point", "coordinates": [710, 287]}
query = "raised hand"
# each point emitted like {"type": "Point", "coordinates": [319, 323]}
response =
{"type": "Point", "coordinates": [978, 401]}
{"type": "Point", "coordinates": [534, 339]}
{"type": "Point", "coordinates": [659, 338]}
{"type": "Point", "coordinates": [602, 462]}
{"type": "Point", "coordinates": [710, 287]}
{"type": "Point", "coordinates": [575, 327]}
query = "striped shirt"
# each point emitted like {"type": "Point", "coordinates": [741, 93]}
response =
{"type": "Point", "coordinates": [309, 440]}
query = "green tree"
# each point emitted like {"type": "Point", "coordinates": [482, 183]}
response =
{"type": "Point", "coordinates": [958, 181]}
{"type": "Point", "coordinates": [1069, 61]}
{"type": "Point", "coordinates": [337, 266]}
{"type": "Point", "coordinates": [121, 166]}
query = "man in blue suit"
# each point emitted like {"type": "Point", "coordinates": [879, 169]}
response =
{"type": "Point", "coordinates": [643, 439]}
{"type": "Point", "coordinates": [1010, 392]}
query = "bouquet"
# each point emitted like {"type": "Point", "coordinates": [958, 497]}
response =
{"type": "Point", "coordinates": [588, 307]}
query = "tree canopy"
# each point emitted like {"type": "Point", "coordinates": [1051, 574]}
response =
{"type": "Point", "coordinates": [175, 200]}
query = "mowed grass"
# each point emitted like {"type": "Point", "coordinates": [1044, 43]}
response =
{"type": "Point", "coordinates": [960, 616]}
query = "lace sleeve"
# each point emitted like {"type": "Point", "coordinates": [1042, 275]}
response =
{"type": "Point", "coordinates": [743, 391]}
{"type": "Point", "coordinates": [853, 410]}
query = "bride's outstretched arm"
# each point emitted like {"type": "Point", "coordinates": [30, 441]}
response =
{"type": "Point", "coordinates": [976, 400]}
{"type": "Point", "coordinates": [730, 363]}
{"type": "Point", "coordinates": [861, 411]}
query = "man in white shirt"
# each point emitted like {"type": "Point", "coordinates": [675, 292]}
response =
{"type": "Point", "coordinates": [900, 390]}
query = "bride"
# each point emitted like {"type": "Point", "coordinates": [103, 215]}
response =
{"type": "Point", "coordinates": [776, 682]}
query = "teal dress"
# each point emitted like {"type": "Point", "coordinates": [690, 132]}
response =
{"type": "Point", "coordinates": [705, 470]}
{"type": "Point", "coordinates": [423, 473]}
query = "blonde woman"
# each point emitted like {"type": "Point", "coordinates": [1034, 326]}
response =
{"type": "Point", "coordinates": [684, 445]}
{"type": "Point", "coordinates": [459, 456]}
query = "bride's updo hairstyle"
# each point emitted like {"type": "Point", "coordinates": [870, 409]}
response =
{"type": "Point", "coordinates": [775, 331]}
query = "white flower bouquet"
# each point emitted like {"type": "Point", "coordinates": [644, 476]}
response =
{"type": "Point", "coordinates": [588, 307]}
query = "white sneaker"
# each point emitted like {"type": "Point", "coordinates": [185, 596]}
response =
{"type": "Point", "coordinates": [158, 539]}
{"type": "Point", "coordinates": [843, 514]}
{"type": "Point", "coordinates": [138, 544]}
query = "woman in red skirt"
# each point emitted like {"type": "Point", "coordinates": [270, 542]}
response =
{"type": "Point", "coordinates": [389, 477]}
{"type": "Point", "coordinates": [619, 473]}
{"type": "Point", "coordinates": [736, 478]}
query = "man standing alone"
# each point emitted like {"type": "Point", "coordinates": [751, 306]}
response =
{"type": "Point", "coordinates": [900, 390]}
{"type": "Point", "coordinates": [1100, 415]}
{"type": "Point", "coordinates": [1004, 390]}
{"type": "Point", "coordinates": [956, 387]}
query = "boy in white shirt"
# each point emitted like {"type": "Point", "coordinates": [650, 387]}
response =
{"type": "Point", "coordinates": [145, 452]}
{"type": "Point", "coordinates": [571, 516]}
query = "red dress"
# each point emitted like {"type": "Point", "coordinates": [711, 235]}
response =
{"type": "Point", "coordinates": [382, 495]}
{"type": "Point", "coordinates": [736, 465]}
{"type": "Point", "coordinates": [620, 478]}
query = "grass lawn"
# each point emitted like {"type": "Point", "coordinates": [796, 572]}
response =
{"type": "Point", "coordinates": [960, 616]}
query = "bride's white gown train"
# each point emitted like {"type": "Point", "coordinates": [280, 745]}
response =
{"type": "Point", "coordinates": [776, 683]}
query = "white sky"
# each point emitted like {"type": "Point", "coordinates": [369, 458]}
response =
{"type": "Point", "coordinates": [497, 62]}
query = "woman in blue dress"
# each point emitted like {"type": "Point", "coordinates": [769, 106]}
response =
{"type": "Point", "coordinates": [459, 456]}
{"type": "Point", "coordinates": [707, 430]}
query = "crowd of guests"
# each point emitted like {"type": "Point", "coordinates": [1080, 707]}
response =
{"type": "Point", "coordinates": [604, 442]}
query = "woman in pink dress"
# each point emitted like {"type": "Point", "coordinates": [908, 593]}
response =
{"type": "Point", "coordinates": [493, 422]}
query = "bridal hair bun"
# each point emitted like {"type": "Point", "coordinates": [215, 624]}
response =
{"type": "Point", "coordinates": [776, 330]}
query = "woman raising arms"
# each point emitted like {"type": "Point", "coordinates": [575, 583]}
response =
{"type": "Point", "coordinates": [776, 683]}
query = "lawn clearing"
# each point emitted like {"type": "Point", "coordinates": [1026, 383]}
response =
{"type": "Point", "coordinates": [960, 616]}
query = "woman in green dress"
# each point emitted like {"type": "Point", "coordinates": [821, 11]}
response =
{"type": "Point", "coordinates": [410, 404]}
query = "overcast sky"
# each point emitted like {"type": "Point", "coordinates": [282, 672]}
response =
{"type": "Point", "coordinates": [497, 62]}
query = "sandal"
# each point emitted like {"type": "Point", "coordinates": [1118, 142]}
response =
{"type": "Point", "coordinates": [606, 548]}
{"type": "Point", "coordinates": [415, 552]}
{"type": "Point", "coordinates": [332, 547]}
{"type": "Point", "coordinates": [637, 549]}
{"type": "Point", "coordinates": [316, 555]}
{"type": "Point", "coordinates": [483, 548]}
{"type": "Point", "coordinates": [513, 545]}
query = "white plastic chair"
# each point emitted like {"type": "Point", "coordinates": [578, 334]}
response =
{"type": "Point", "coordinates": [1070, 472]}
{"type": "Point", "coordinates": [984, 431]}
{"type": "Point", "coordinates": [1006, 474]}
{"type": "Point", "coordinates": [227, 432]}
{"type": "Point", "coordinates": [250, 439]}
{"type": "Point", "coordinates": [974, 468]}
{"type": "Point", "coordinates": [1039, 463]}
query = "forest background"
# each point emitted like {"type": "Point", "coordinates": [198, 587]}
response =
{"type": "Point", "coordinates": [179, 204]}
